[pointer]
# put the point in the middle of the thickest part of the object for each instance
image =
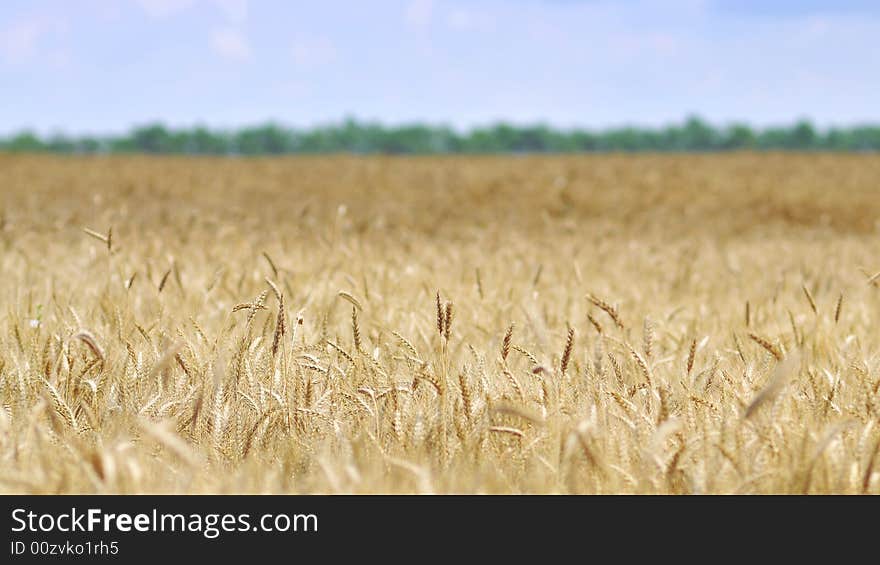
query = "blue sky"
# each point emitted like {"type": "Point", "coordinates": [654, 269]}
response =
{"type": "Point", "coordinates": [100, 66]}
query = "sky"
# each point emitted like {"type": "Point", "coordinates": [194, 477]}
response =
{"type": "Point", "coordinates": [102, 66]}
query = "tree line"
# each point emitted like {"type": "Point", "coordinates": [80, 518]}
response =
{"type": "Point", "coordinates": [352, 136]}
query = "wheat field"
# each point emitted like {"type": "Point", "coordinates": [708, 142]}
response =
{"type": "Point", "coordinates": [589, 324]}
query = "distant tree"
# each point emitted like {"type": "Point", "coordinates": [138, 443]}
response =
{"type": "Point", "coordinates": [354, 136]}
{"type": "Point", "coordinates": [738, 136]}
{"type": "Point", "coordinates": [60, 143]}
{"type": "Point", "coordinates": [865, 138]}
{"type": "Point", "coordinates": [583, 141]}
{"type": "Point", "coordinates": [124, 144]}
{"type": "Point", "coordinates": [697, 135]}
{"type": "Point", "coordinates": [152, 138]}
{"type": "Point", "coordinates": [267, 139]}
{"type": "Point", "coordinates": [87, 145]}
{"type": "Point", "coordinates": [25, 141]}
{"type": "Point", "coordinates": [837, 140]}
{"type": "Point", "coordinates": [803, 136]}
{"type": "Point", "coordinates": [205, 142]}
{"type": "Point", "coordinates": [621, 139]}
{"type": "Point", "coordinates": [773, 138]}
{"type": "Point", "coordinates": [482, 140]}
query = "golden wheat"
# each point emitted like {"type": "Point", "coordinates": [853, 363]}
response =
{"type": "Point", "coordinates": [150, 356]}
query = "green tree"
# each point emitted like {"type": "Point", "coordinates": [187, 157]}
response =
{"type": "Point", "coordinates": [803, 136]}
{"type": "Point", "coordinates": [152, 138]}
{"type": "Point", "coordinates": [354, 136]}
{"type": "Point", "coordinates": [738, 136]}
{"type": "Point", "coordinates": [25, 141]}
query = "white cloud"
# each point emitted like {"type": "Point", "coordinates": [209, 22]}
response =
{"type": "Point", "coordinates": [311, 52]}
{"type": "Point", "coordinates": [230, 44]}
{"type": "Point", "coordinates": [419, 12]}
{"type": "Point", "coordinates": [164, 8]}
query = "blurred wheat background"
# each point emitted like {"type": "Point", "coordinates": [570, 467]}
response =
{"type": "Point", "coordinates": [598, 324]}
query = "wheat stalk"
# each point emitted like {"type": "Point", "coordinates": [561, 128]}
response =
{"type": "Point", "coordinates": [766, 344]}
{"type": "Point", "coordinates": [608, 309]}
{"type": "Point", "coordinates": [810, 299]}
{"type": "Point", "coordinates": [566, 352]}
{"type": "Point", "coordinates": [505, 343]}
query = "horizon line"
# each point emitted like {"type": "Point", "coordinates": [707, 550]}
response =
{"type": "Point", "coordinates": [622, 125]}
